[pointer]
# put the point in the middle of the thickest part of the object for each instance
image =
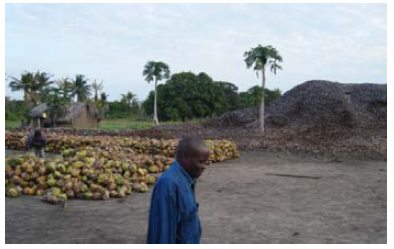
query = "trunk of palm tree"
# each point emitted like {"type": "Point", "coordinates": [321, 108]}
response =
{"type": "Point", "coordinates": [262, 102]}
{"type": "Point", "coordinates": [155, 119]}
{"type": "Point", "coordinates": [26, 96]}
{"type": "Point", "coordinates": [33, 98]}
{"type": "Point", "coordinates": [54, 120]}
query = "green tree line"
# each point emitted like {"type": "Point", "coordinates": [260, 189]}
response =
{"type": "Point", "coordinates": [188, 96]}
{"type": "Point", "coordinates": [39, 87]}
{"type": "Point", "coordinates": [183, 96]}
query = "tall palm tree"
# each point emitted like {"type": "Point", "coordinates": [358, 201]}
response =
{"type": "Point", "coordinates": [81, 89]}
{"type": "Point", "coordinates": [97, 88]}
{"type": "Point", "coordinates": [259, 58]}
{"type": "Point", "coordinates": [156, 71]}
{"type": "Point", "coordinates": [23, 84]}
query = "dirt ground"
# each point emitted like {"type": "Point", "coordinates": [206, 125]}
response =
{"type": "Point", "coordinates": [240, 202]}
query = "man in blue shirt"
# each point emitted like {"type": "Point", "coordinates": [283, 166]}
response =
{"type": "Point", "coordinates": [173, 216]}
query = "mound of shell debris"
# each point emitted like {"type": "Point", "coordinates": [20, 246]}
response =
{"type": "Point", "coordinates": [319, 117]}
{"type": "Point", "coordinates": [326, 103]}
{"type": "Point", "coordinates": [318, 103]}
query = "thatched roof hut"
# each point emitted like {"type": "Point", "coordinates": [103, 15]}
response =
{"type": "Point", "coordinates": [77, 115]}
{"type": "Point", "coordinates": [39, 110]}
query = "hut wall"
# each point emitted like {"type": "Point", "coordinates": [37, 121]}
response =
{"type": "Point", "coordinates": [84, 120]}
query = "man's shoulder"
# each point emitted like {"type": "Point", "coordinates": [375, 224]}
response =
{"type": "Point", "coordinates": [168, 179]}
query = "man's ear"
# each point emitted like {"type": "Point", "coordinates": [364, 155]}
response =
{"type": "Point", "coordinates": [187, 157]}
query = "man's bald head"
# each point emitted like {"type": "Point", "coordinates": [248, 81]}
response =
{"type": "Point", "coordinates": [189, 146]}
{"type": "Point", "coordinates": [192, 154]}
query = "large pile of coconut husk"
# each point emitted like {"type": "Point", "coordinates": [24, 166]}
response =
{"type": "Point", "coordinates": [88, 173]}
{"type": "Point", "coordinates": [317, 118]}
{"type": "Point", "coordinates": [80, 132]}
{"type": "Point", "coordinates": [318, 103]}
{"type": "Point", "coordinates": [327, 103]}
{"type": "Point", "coordinates": [221, 150]}
{"type": "Point", "coordinates": [238, 118]}
{"type": "Point", "coordinates": [95, 167]}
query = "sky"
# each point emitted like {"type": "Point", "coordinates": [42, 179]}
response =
{"type": "Point", "coordinates": [112, 42]}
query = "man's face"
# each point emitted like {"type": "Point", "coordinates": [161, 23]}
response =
{"type": "Point", "coordinates": [197, 162]}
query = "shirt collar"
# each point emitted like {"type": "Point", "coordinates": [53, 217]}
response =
{"type": "Point", "coordinates": [188, 178]}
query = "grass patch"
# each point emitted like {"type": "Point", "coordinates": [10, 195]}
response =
{"type": "Point", "coordinates": [124, 123]}
{"type": "Point", "coordinates": [128, 123]}
{"type": "Point", "coordinates": [115, 124]}
{"type": "Point", "coordinates": [11, 124]}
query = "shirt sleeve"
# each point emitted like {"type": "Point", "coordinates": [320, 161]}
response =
{"type": "Point", "coordinates": [163, 218]}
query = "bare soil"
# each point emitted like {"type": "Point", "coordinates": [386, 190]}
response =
{"type": "Point", "coordinates": [241, 201]}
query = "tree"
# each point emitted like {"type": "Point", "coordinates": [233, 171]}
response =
{"type": "Point", "coordinates": [97, 88]}
{"type": "Point", "coordinates": [252, 97]}
{"type": "Point", "coordinates": [156, 71]}
{"type": "Point", "coordinates": [128, 98]}
{"type": "Point", "coordinates": [66, 87]}
{"type": "Point", "coordinates": [259, 58]}
{"type": "Point", "coordinates": [81, 89]}
{"type": "Point", "coordinates": [41, 81]}
{"type": "Point", "coordinates": [16, 109]}
{"type": "Point", "coordinates": [57, 103]}
{"type": "Point", "coordinates": [23, 84]}
{"type": "Point", "coordinates": [102, 105]}
{"type": "Point", "coordinates": [132, 102]}
{"type": "Point", "coordinates": [231, 95]}
{"type": "Point", "coordinates": [187, 95]}
{"type": "Point", "coordinates": [103, 97]}
{"type": "Point", "coordinates": [32, 85]}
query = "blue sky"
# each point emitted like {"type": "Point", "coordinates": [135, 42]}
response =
{"type": "Point", "coordinates": [112, 42]}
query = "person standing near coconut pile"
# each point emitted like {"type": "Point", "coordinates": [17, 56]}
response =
{"type": "Point", "coordinates": [36, 141]}
{"type": "Point", "coordinates": [173, 215]}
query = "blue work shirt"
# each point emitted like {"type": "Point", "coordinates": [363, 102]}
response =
{"type": "Point", "coordinates": [173, 216]}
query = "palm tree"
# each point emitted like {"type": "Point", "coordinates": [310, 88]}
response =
{"type": "Point", "coordinates": [97, 88]}
{"type": "Point", "coordinates": [66, 87]}
{"type": "Point", "coordinates": [102, 105]}
{"type": "Point", "coordinates": [32, 85]}
{"type": "Point", "coordinates": [81, 89]}
{"type": "Point", "coordinates": [23, 84]}
{"type": "Point", "coordinates": [104, 97]}
{"type": "Point", "coordinates": [41, 81]}
{"type": "Point", "coordinates": [259, 58]}
{"type": "Point", "coordinates": [128, 98]}
{"type": "Point", "coordinates": [56, 103]}
{"type": "Point", "coordinates": [156, 70]}
{"type": "Point", "coordinates": [132, 101]}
